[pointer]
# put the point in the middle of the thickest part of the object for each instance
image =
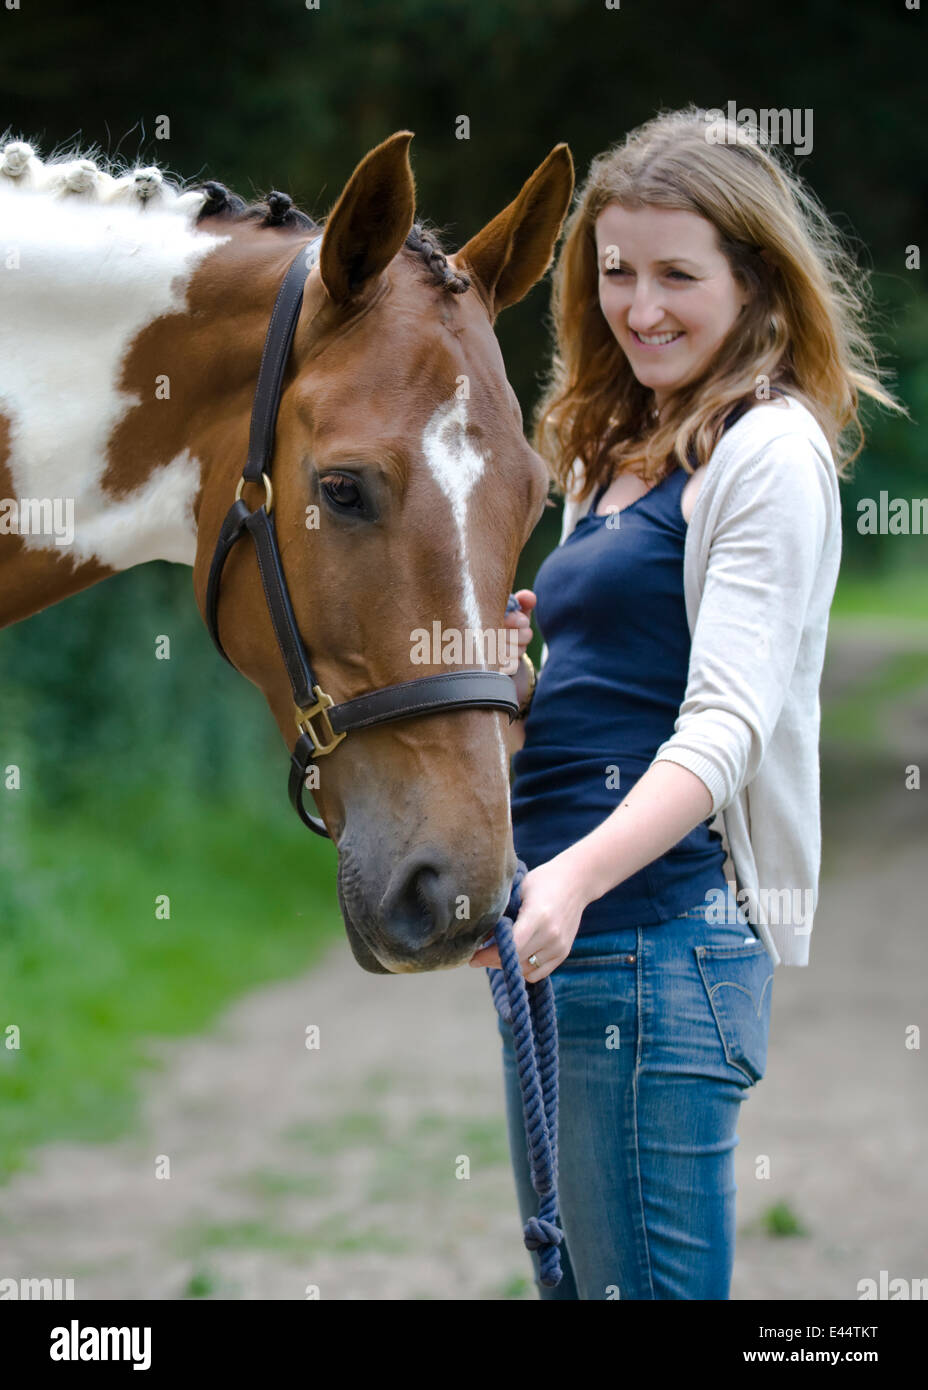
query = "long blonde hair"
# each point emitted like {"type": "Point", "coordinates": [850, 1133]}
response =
{"type": "Point", "coordinates": [803, 330]}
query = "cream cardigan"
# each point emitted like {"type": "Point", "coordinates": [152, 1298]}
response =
{"type": "Point", "coordinates": [761, 560]}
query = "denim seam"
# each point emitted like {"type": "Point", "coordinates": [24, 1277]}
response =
{"type": "Point", "coordinates": [638, 1009]}
{"type": "Point", "coordinates": [614, 961]}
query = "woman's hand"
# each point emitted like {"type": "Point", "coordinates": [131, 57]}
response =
{"type": "Point", "coordinates": [548, 920]}
{"type": "Point", "coordinates": [522, 623]}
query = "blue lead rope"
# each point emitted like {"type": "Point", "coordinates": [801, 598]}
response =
{"type": "Point", "coordinates": [529, 1009]}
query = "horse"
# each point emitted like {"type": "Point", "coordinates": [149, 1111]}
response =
{"type": "Point", "coordinates": [134, 311]}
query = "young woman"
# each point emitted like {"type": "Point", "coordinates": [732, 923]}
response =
{"type": "Point", "coordinates": [711, 352]}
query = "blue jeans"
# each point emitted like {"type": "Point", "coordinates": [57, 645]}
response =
{"type": "Point", "coordinates": [662, 1032]}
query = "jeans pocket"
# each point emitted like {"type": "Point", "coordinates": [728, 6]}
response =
{"type": "Point", "coordinates": [739, 983]}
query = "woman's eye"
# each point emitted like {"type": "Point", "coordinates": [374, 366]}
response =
{"type": "Point", "coordinates": [620, 270]}
{"type": "Point", "coordinates": [342, 490]}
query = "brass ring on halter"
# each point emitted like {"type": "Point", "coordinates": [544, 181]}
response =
{"type": "Point", "coordinates": [268, 492]}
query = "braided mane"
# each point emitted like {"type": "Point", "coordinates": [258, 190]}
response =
{"type": "Point", "coordinates": [97, 179]}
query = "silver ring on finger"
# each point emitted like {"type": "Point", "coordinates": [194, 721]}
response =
{"type": "Point", "coordinates": [533, 960]}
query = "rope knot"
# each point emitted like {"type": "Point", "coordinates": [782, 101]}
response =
{"type": "Point", "coordinates": [539, 1233]}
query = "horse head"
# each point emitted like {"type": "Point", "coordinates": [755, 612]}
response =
{"type": "Point", "coordinates": [404, 492]}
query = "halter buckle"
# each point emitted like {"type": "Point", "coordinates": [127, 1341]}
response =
{"type": "Point", "coordinates": [305, 716]}
{"type": "Point", "coordinates": [268, 492]}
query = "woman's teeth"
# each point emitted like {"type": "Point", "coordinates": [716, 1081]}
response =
{"type": "Point", "coordinates": [656, 339]}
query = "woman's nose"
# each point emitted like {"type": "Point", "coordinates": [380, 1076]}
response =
{"type": "Point", "coordinates": [646, 309]}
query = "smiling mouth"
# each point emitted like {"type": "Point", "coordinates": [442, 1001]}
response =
{"type": "Point", "coordinates": [655, 339]}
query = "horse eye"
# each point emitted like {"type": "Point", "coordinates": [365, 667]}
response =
{"type": "Point", "coordinates": [342, 490]}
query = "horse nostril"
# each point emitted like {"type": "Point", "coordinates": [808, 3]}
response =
{"type": "Point", "coordinates": [418, 906]}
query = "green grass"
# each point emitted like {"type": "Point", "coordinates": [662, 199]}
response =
{"type": "Point", "coordinates": [87, 971]}
{"type": "Point", "coordinates": [328, 1236]}
{"type": "Point", "coordinates": [413, 1159]}
{"type": "Point", "coordinates": [352, 1129]}
{"type": "Point", "coordinates": [203, 1283]}
{"type": "Point", "coordinates": [270, 1185]}
{"type": "Point", "coordinates": [518, 1286]}
{"type": "Point", "coordinates": [900, 593]}
{"type": "Point", "coordinates": [424, 1159]}
{"type": "Point", "coordinates": [780, 1220]}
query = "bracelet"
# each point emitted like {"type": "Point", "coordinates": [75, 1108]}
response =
{"type": "Point", "coordinates": [533, 681]}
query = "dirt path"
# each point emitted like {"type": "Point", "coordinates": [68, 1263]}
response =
{"type": "Point", "coordinates": [336, 1167]}
{"type": "Point", "coordinates": [841, 1112]}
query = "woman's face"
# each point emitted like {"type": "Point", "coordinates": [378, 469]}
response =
{"type": "Point", "coordinates": [668, 281]}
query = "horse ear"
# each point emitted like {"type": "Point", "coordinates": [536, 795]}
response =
{"type": "Point", "coordinates": [371, 219]}
{"type": "Point", "coordinates": [514, 250]}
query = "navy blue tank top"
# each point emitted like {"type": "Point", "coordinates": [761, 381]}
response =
{"type": "Point", "coordinates": [610, 607]}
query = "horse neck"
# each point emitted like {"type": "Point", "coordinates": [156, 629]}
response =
{"type": "Point", "coordinates": [126, 344]}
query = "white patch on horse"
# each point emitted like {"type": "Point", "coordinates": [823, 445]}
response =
{"type": "Point", "coordinates": [457, 467]}
{"type": "Point", "coordinates": [153, 523]}
{"type": "Point", "coordinates": [90, 277]}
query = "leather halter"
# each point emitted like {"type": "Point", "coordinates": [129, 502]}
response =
{"type": "Point", "coordinates": [406, 700]}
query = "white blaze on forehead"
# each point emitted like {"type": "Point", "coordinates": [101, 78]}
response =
{"type": "Point", "coordinates": [456, 466]}
{"type": "Point", "coordinates": [89, 278]}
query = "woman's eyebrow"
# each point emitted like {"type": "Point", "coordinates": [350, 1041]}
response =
{"type": "Point", "coordinates": [665, 260]}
